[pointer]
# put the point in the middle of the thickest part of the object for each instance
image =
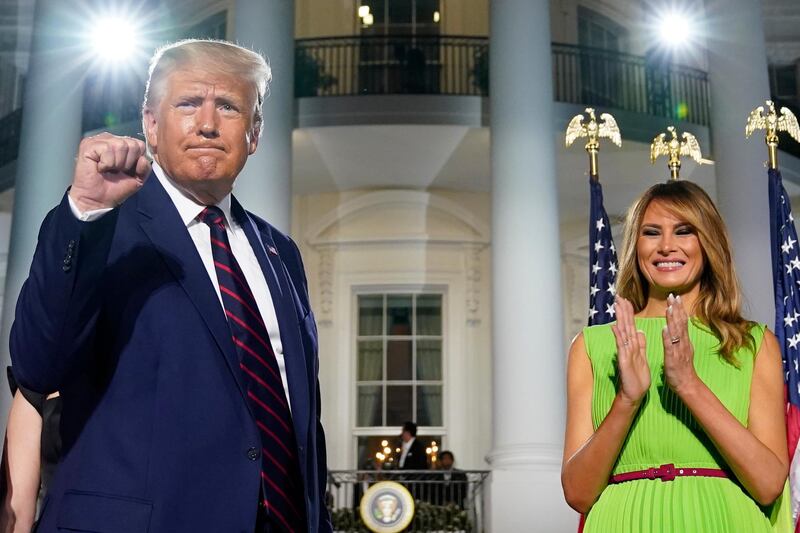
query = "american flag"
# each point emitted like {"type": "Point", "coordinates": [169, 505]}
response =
{"type": "Point", "coordinates": [602, 259]}
{"type": "Point", "coordinates": [786, 282]}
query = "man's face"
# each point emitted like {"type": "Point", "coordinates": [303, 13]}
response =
{"type": "Point", "coordinates": [445, 462]}
{"type": "Point", "coordinates": [201, 131]}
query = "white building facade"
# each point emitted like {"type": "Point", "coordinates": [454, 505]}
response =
{"type": "Point", "coordinates": [418, 162]}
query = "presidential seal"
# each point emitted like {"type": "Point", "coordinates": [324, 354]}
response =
{"type": "Point", "coordinates": [387, 507]}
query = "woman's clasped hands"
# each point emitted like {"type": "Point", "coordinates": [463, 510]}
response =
{"type": "Point", "coordinates": [634, 370]}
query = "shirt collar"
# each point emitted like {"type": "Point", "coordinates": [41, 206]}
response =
{"type": "Point", "coordinates": [187, 208]}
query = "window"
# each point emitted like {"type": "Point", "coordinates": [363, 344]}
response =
{"type": "Point", "coordinates": [212, 27]}
{"type": "Point", "coordinates": [399, 373]}
{"type": "Point", "coordinates": [399, 52]}
{"type": "Point", "coordinates": [600, 68]}
{"type": "Point", "coordinates": [386, 450]}
{"type": "Point", "coordinates": [783, 82]}
{"type": "Point", "coordinates": [402, 17]}
{"type": "Point", "coordinates": [597, 31]}
{"type": "Point", "coordinates": [399, 360]}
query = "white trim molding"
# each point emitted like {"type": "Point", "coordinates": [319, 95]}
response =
{"type": "Point", "coordinates": [525, 457]}
{"type": "Point", "coordinates": [318, 233]}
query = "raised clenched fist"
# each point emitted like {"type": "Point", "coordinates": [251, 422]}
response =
{"type": "Point", "coordinates": [108, 170]}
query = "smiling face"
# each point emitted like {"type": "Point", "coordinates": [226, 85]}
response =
{"type": "Point", "coordinates": [201, 131]}
{"type": "Point", "coordinates": [669, 252]}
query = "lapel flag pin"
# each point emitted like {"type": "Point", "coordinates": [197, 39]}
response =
{"type": "Point", "coordinates": [272, 250]}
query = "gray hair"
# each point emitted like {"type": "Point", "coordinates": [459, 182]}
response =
{"type": "Point", "coordinates": [214, 55]}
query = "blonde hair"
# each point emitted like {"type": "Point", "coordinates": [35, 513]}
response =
{"type": "Point", "coordinates": [718, 306]}
{"type": "Point", "coordinates": [212, 55]}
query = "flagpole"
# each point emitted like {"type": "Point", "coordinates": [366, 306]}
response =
{"type": "Point", "coordinates": [785, 277]}
{"type": "Point", "coordinates": [593, 148]}
{"type": "Point", "coordinates": [593, 131]}
{"type": "Point", "coordinates": [602, 253]}
{"type": "Point", "coordinates": [772, 123]}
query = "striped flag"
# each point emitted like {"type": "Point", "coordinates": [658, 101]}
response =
{"type": "Point", "coordinates": [786, 282]}
{"type": "Point", "coordinates": [602, 267]}
{"type": "Point", "coordinates": [602, 259]}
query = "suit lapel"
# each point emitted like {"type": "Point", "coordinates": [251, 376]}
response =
{"type": "Point", "coordinates": [162, 224]}
{"type": "Point", "coordinates": [281, 291]}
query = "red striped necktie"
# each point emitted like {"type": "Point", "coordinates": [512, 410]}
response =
{"type": "Point", "coordinates": [281, 482]}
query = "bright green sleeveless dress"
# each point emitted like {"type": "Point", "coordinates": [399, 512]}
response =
{"type": "Point", "coordinates": [664, 432]}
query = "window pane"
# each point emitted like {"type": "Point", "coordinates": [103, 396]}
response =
{"type": "Point", "coordinates": [370, 315]}
{"type": "Point", "coordinates": [398, 360]}
{"type": "Point", "coordinates": [786, 82]}
{"type": "Point", "coordinates": [613, 42]}
{"type": "Point", "coordinates": [370, 446]}
{"type": "Point", "coordinates": [375, 9]}
{"type": "Point", "coordinates": [369, 405]}
{"type": "Point", "coordinates": [399, 314]}
{"type": "Point", "coordinates": [597, 36]}
{"type": "Point", "coordinates": [425, 9]}
{"type": "Point", "coordinates": [429, 314]}
{"type": "Point", "coordinates": [399, 17]}
{"type": "Point", "coordinates": [425, 23]}
{"type": "Point", "coordinates": [429, 405]}
{"type": "Point", "coordinates": [429, 360]}
{"type": "Point", "coordinates": [435, 443]}
{"type": "Point", "coordinates": [598, 31]}
{"type": "Point", "coordinates": [370, 361]}
{"type": "Point", "coordinates": [398, 404]}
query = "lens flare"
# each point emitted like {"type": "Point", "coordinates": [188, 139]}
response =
{"type": "Point", "coordinates": [114, 38]}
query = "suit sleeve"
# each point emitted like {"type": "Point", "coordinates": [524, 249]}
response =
{"type": "Point", "coordinates": [60, 301]}
{"type": "Point", "coordinates": [325, 525]}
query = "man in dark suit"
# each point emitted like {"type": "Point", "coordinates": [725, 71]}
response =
{"type": "Point", "coordinates": [413, 457]}
{"type": "Point", "coordinates": [412, 451]}
{"type": "Point", "coordinates": [452, 483]}
{"type": "Point", "coordinates": [175, 324]}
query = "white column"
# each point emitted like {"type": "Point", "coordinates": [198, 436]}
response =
{"type": "Point", "coordinates": [51, 131]}
{"type": "Point", "coordinates": [527, 347]}
{"type": "Point", "coordinates": [265, 185]}
{"type": "Point", "coordinates": [738, 80]}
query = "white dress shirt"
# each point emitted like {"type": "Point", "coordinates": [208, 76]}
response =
{"type": "Point", "coordinates": [200, 233]}
{"type": "Point", "coordinates": [406, 446]}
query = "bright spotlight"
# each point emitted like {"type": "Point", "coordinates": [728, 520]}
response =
{"type": "Point", "coordinates": [675, 29]}
{"type": "Point", "coordinates": [113, 38]}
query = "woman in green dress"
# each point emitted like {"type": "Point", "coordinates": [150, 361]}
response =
{"type": "Point", "coordinates": [675, 412]}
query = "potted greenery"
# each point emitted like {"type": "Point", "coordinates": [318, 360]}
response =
{"type": "Point", "coordinates": [309, 78]}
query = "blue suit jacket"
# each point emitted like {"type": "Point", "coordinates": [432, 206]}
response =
{"type": "Point", "coordinates": [121, 317]}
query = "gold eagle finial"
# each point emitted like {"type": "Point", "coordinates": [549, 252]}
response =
{"type": "Point", "coordinates": [772, 123]}
{"type": "Point", "coordinates": [674, 149]}
{"type": "Point", "coordinates": [593, 131]}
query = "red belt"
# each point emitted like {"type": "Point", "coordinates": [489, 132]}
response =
{"type": "Point", "coordinates": [667, 472]}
